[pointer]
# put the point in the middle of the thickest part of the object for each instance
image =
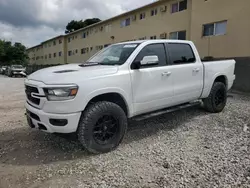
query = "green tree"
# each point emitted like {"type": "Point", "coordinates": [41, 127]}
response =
{"type": "Point", "coordinates": [12, 54]}
{"type": "Point", "coordinates": [75, 25]}
{"type": "Point", "coordinates": [2, 51]}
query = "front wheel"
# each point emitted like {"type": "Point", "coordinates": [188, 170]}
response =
{"type": "Point", "coordinates": [217, 98]}
{"type": "Point", "coordinates": [102, 127]}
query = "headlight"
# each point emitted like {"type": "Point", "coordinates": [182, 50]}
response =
{"type": "Point", "coordinates": [60, 94]}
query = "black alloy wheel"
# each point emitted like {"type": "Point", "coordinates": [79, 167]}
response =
{"type": "Point", "coordinates": [105, 129]}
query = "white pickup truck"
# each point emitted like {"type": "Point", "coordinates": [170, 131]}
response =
{"type": "Point", "coordinates": [127, 80]}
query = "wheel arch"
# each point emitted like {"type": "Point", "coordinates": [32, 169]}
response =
{"type": "Point", "coordinates": [220, 77]}
{"type": "Point", "coordinates": [117, 97]}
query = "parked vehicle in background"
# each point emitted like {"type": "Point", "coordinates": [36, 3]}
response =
{"type": "Point", "coordinates": [3, 69]}
{"type": "Point", "coordinates": [16, 70]}
{"type": "Point", "coordinates": [138, 79]}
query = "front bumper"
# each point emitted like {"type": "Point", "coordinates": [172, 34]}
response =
{"type": "Point", "coordinates": [40, 119]}
{"type": "Point", "coordinates": [19, 73]}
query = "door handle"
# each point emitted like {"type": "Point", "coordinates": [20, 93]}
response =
{"type": "Point", "coordinates": [196, 70]}
{"type": "Point", "coordinates": [166, 73]}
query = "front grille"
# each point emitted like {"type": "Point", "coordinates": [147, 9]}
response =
{"type": "Point", "coordinates": [28, 91]}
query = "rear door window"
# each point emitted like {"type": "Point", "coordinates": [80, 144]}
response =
{"type": "Point", "coordinates": [181, 53]}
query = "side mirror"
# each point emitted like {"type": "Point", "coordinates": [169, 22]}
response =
{"type": "Point", "coordinates": [150, 60]}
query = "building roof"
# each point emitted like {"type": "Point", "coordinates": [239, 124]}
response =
{"type": "Point", "coordinates": [33, 47]}
{"type": "Point", "coordinates": [105, 21]}
{"type": "Point", "coordinates": [120, 15]}
{"type": "Point", "coordinates": [59, 36]}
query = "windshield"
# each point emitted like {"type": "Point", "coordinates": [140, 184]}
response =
{"type": "Point", "coordinates": [17, 66]}
{"type": "Point", "coordinates": [114, 55]}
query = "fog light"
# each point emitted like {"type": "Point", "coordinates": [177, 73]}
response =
{"type": "Point", "coordinates": [58, 122]}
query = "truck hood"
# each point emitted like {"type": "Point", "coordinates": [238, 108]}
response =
{"type": "Point", "coordinates": [71, 74]}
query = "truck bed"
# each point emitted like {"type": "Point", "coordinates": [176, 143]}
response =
{"type": "Point", "coordinates": [214, 69]}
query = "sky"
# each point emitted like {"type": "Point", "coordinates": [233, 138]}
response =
{"type": "Point", "coordinates": [33, 21]}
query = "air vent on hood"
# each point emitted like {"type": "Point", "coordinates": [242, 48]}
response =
{"type": "Point", "coordinates": [65, 71]}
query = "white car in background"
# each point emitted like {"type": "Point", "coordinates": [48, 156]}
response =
{"type": "Point", "coordinates": [3, 69]}
{"type": "Point", "coordinates": [16, 70]}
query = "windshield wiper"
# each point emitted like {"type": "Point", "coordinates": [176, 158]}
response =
{"type": "Point", "coordinates": [97, 63]}
{"type": "Point", "coordinates": [89, 64]}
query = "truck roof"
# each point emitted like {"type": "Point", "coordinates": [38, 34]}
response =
{"type": "Point", "coordinates": [156, 41]}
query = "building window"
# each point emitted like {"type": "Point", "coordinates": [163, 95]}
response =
{"type": "Point", "coordinates": [49, 55]}
{"type": "Point", "coordinates": [180, 6]}
{"type": "Point", "coordinates": [179, 35]}
{"type": "Point", "coordinates": [54, 54]}
{"type": "Point", "coordinates": [60, 41]}
{"type": "Point", "coordinates": [99, 47]}
{"type": "Point", "coordinates": [142, 16]}
{"type": "Point", "coordinates": [41, 57]}
{"type": "Point", "coordinates": [153, 37]}
{"type": "Point", "coordinates": [91, 48]}
{"type": "Point", "coordinates": [69, 40]}
{"type": "Point", "coordinates": [108, 28]}
{"type": "Point", "coordinates": [76, 37]}
{"type": "Point", "coordinates": [154, 12]}
{"type": "Point", "coordinates": [105, 45]}
{"type": "Point", "coordinates": [76, 51]}
{"type": "Point", "coordinates": [163, 36]}
{"type": "Point", "coordinates": [214, 29]}
{"type": "Point", "coordinates": [54, 43]}
{"type": "Point", "coordinates": [143, 38]}
{"type": "Point", "coordinates": [60, 54]}
{"type": "Point", "coordinates": [84, 35]}
{"type": "Point", "coordinates": [125, 22]}
{"type": "Point", "coordinates": [45, 56]}
{"type": "Point", "coordinates": [70, 53]}
{"type": "Point", "coordinates": [83, 51]}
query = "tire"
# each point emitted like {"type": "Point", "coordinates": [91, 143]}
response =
{"type": "Point", "coordinates": [90, 127]}
{"type": "Point", "coordinates": [217, 98]}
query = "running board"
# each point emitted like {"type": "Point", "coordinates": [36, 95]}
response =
{"type": "Point", "coordinates": [166, 110]}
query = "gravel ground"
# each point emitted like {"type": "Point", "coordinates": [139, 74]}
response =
{"type": "Point", "coordinates": [189, 148]}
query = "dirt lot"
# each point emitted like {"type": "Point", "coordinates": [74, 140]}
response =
{"type": "Point", "coordinates": [190, 148]}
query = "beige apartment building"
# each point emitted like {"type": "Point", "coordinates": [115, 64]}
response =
{"type": "Point", "coordinates": [52, 51]}
{"type": "Point", "coordinates": [219, 28]}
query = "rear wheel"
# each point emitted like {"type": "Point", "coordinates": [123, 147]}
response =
{"type": "Point", "coordinates": [102, 127]}
{"type": "Point", "coordinates": [217, 98]}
